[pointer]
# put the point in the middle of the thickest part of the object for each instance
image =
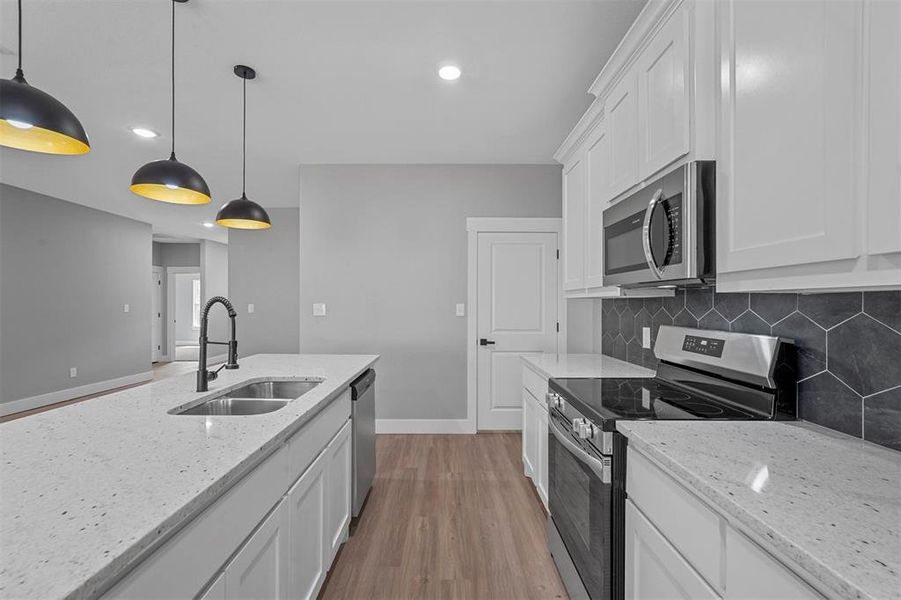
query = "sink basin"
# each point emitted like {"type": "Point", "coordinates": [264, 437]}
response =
{"type": "Point", "coordinates": [235, 406]}
{"type": "Point", "coordinates": [274, 389]}
{"type": "Point", "coordinates": [251, 399]}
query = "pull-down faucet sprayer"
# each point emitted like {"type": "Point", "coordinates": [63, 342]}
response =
{"type": "Point", "coordinates": [203, 375]}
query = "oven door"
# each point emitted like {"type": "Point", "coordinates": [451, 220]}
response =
{"type": "Point", "coordinates": [581, 499]}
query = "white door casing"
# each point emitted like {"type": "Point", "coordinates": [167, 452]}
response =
{"type": "Point", "coordinates": [516, 314]}
{"type": "Point", "coordinates": [156, 317]}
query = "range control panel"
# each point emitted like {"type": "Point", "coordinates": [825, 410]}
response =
{"type": "Point", "coordinates": [703, 345]}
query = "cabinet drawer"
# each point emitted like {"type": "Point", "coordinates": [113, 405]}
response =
{"type": "Point", "coordinates": [306, 444]}
{"type": "Point", "coordinates": [751, 573]}
{"type": "Point", "coordinates": [695, 530]}
{"type": "Point", "coordinates": [536, 385]}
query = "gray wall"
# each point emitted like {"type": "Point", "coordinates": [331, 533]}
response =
{"type": "Point", "coordinates": [214, 282]}
{"type": "Point", "coordinates": [173, 255]}
{"type": "Point", "coordinates": [264, 269]}
{"type": "Point", "coordinates": [66, 272]}
{"type": "Point", "coordinates": [385, 248]}
{"type": "Point", "coordinates": [845, 364]}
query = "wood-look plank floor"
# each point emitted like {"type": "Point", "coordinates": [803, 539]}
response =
{"type": "Point", "coordinates": [449, 517]}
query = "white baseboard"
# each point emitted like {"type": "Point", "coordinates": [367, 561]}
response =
{"type": "Point", "coordinates": [8, 408]}
{"type": "Point", "coordinates": [423, 426]}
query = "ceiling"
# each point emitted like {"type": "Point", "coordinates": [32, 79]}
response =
{"type": "Point", "coordinates": [338, 82]}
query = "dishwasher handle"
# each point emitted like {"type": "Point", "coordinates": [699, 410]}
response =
{"type": "Point", "coordinates": [362, 383]}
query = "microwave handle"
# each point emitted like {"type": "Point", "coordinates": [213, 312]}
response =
{"type": "Point", "coordinates": [646, 235]}
{"type": "Point", "coordinates": [601, 468]}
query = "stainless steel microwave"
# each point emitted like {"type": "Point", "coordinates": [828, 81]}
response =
{"type": "Point", "coordinates": [665, 233]}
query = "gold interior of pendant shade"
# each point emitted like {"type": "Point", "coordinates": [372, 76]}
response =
{"type": "Point", "coordinates": [156, 191]}
{"type": "Point", "coordinates": [37, 139]}
{"type": "Point", "coordinates": [243, 224]}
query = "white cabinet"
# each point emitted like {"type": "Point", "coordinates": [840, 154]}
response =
{"type": "Point", "coordinates": [573, 224]}
{"type": "Point", "coordinates": [663, 118]}
{"type": "Point", "coordinates": [307, 517]}
{"type": "Point", "coordinates": [216, 590]}
{"type": "Point", "coordinates": [752, 574]}
{"type": "Point", "coordinates": [621, 117]}
{"type": "Point", "coordinates": [261, 568]}
{"type": "Point", "coordinates": [338, 490]}
{"type": "Point", "coordinates": [542, 450]}
{"type": "Point", "coordinates": [808, 95]}
{"type": "Point", "coordinates": [534, 431]}
{"type": "Point", "coordinates": [654, 568]}
{"type": "Point", "coordinates": [529, 435]}
{"type": "Point", "coordinates": [597, 157]}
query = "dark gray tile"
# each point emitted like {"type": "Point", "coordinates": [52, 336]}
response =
{"type": "Point", "coordinates": [627, 324]}
{"type": "Point", "coordinates": [649, 361]}
{"type": "Point", "coordinates": [699, 301]}
{"type": "Point", "coordinates": [810, 344]}
{"type": "Point", "coordinates": [864, 354]}
{"type": "Point", "coordinates": [748, 322]}
{"type": "Point", "coordinates": [652, 305]}
{"type": "Point", "coordinates": [675, 304]}
{"type": "Point", "coordinates": [730, 305]}
{"type": "Point", "coordinates": [642, 320]}
{"type": "Point", "coordinates": [620, 304]}
{"type": "Point", "coordinates": [885, 307]}
{"type": "Point", "coordinates": [620, 348]}
{"type": "Point", "coordinates": [826, 401]}
{"type": "Point", "coordinates": [882, 418]}
{"type": "Point", "coordinates": [685, 319]}
{"type": "Point", "coordinates": [610, 323]}
{"type": "Point", "coordinates": [661, 318]}
{"type": "Point", "coordinates": [828, 310]}
{"type": "Point", "coordinates": [634, 352]}
{"type": "Point", "coordinates": [772, 308]}
{"type": "Point", "coordinates": [713, 320]}
{"type": "Point", "coordinates": [607, 344]}
{"type": "Point", "coordinates": [606, 306]}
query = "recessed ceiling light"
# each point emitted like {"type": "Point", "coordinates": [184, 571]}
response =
{"type": "Point", "coordinates": [208, 225]}
{"type": "Point", "coordinates": [144, 132]}
{"type": "Point", "coordinates": [449, 73]}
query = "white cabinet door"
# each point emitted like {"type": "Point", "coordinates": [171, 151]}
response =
{"type": "Point", "coordinates": [307, 517]}
{"type": "Point", "coordinates": [597, 158]}
{"type": "Point", "coordinates": [574, 224]}
{"type": "Point", "coordinates": [541, 451]}
{"type": "Point", "coordinates": [752, 574]}
{"type": "Point", "coordinates": [620, 112]}
{"type": "Point", "coordinates": [216, 591]}
{"type": "Point", "coordinates": [663, 98]}
{"type": "Point", "coordinates": [261, 568]}
{"type": "Point", "coordinates": [337, 491]}
{"type": "Point", "coordinates": [789, 147]}
{"type": "Point", "coordinates": [654, 569]}
{"type": "Point", "coordinates": [529, 448]}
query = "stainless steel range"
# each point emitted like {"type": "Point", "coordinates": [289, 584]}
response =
{"type": "Point", "coordinates": [702, 375]}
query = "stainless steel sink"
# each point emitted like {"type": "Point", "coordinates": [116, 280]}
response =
{"type": "Point", "coordinates": [251, 399]}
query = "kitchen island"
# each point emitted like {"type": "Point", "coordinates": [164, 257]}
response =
{"type": "Point", "coordinates": [91, 490]}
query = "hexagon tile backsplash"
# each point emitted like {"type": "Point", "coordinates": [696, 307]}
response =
{"type": "Point", "coordinates": [848, 347]}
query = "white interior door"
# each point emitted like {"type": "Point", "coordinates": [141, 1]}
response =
{"type": "Point", "coordinates": [517, 314]}
{"type": "Point", "coordinates": [156, 333]}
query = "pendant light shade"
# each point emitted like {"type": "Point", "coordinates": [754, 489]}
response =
{"type": "Point", "coordinates": [31, 119]}
{"type": "Point", "coordinates": [169, 180]}
{"type": "Point", "coordinates": [243, 213]}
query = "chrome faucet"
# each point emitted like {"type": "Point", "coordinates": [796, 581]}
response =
{"type": "Point", "coordinates": [203, 375]}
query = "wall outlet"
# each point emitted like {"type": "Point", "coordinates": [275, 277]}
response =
{"type": "Point", "coordinates": [249, 308]}
{"type": "Point", "coordinates": [461, 310]}
{"type": "Point", "coordinates": [126, 308]}
{"type": "Point", "coordinates": [319, 309]}
{"type": "Point", "coordinates": [73, 372]}
{"type": "Point", "coordinates": [645, 337]}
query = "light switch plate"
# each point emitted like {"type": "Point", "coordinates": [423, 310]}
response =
{"type": "Point", "coordinates": [126, 308]}
{"type": "Point", "coordinates": [73, 372]}
{"type": "Point", "coordinates": [319, 309]}
{"type": "Point", "coordinates": [461, 310]}
{"type": "Point", "coordinates": [645, 337]}
{"type": "Point", "coordinates": [249, 308]}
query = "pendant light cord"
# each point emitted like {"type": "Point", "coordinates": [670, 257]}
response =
{"type": "Point", "coordinates": [173, 79]}
{"type": "Point", "coordinates": [244, 146]}
{"type": "Point", "coordinates": [19, 73]}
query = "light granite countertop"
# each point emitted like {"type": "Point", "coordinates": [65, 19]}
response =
{"type": "Point", "coordinates": [583, 365]}
{"type": "Point", "coordinates": [830, 503]}
{"type": "Point", "coordinates": [86, 489]}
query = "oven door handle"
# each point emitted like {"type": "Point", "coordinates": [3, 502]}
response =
{"type": "Point", "coordinates": [646, 234]}
{"type": "Point", "coordinates": [601, 468]}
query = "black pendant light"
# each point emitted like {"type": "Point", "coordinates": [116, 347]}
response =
{"type": "Point", "coordinates": [243, 213]}
{"type": "Point", "coordinates": [34, 120]}
{"type": "Point", "coordinates": [169, 180]}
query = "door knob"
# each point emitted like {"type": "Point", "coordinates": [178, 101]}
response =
{"type": "Point", "coordinates": [484, 342]}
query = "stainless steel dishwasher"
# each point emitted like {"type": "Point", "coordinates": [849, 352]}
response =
{"type": "Point", "coordinates": [363, 411]}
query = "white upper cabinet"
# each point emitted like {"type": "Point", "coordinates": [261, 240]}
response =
{"type": "Point", "coordinates": [597, 157]}
{"type": "Point", "coordinates": [621, 116]}
{"type": "Point", "coordinates": [663, 119]}
{"type": "Point", "coordinates": [574, 224]}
